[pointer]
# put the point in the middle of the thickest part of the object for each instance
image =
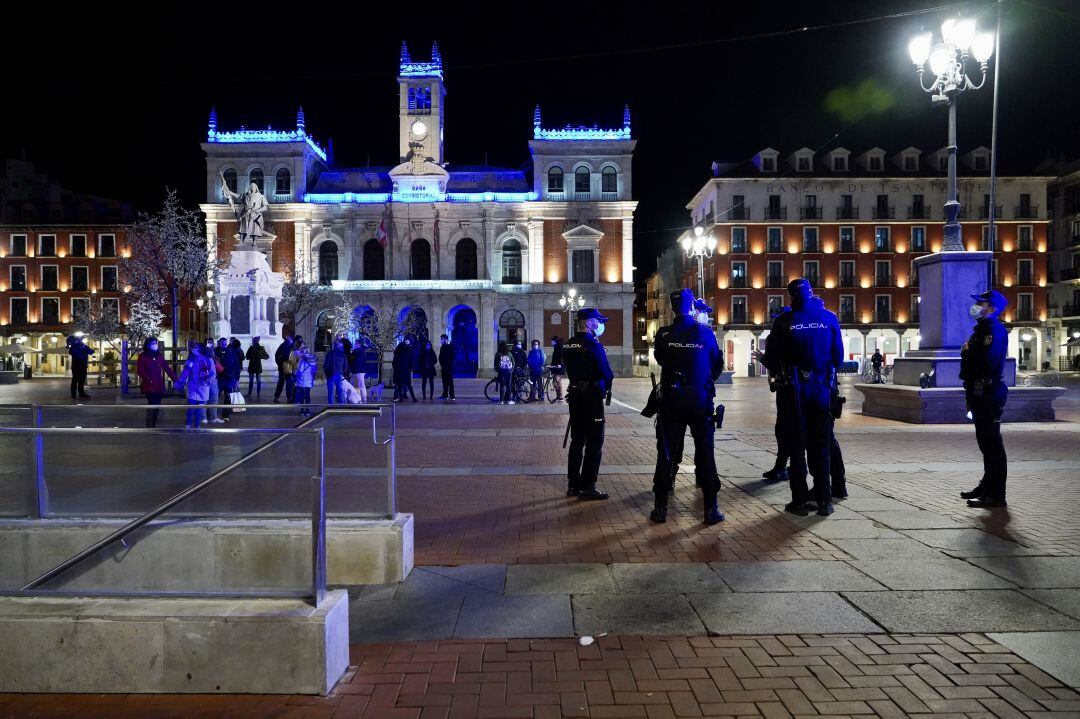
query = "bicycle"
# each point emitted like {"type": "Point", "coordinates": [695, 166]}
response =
{"type": "Point", "coordinates": [1043, 379]}
{"type": "Point", "coordinates": [520, 391]}
{"type": "Point", "coordinates": [871, 377]}
{"type": "Point", "coordinates": [547, 386]}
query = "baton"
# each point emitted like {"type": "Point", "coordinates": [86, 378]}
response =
{"type": "Point", "coordinates": [567, 435]}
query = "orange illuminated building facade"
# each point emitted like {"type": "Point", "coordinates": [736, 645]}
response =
{"type": "Point", "coordinates": [852, 225]}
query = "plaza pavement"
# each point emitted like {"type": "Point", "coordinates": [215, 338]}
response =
{"type": "Point", "coordinates": [904, 602]}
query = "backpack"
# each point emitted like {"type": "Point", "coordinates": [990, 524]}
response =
{"type": "Point", "coordinates": [506, 363]}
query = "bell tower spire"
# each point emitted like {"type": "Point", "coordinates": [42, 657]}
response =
{"type": "Point", "coordinates": [420, 105]}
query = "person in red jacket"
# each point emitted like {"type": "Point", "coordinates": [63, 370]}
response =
{"type": "Point", "coordinates": [152, 369]}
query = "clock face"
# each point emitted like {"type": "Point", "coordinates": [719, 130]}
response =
{"type": "Point", "coordinates": [419, 129]}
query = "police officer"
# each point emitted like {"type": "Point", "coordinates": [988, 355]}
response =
{"type": "Point", "coordinates": [690, 361]}
{"type": "Point", "coordinates": [590, 379]}
{"type": "Point", "coordinates": [806, 349]}
{"type": "Point", "coordinates": [982, 364]}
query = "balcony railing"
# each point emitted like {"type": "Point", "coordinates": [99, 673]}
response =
{"type": "Point", "coordinates": [1024, 315]}
{"type": "Point", "coordinates": [883, 317]}
{"type": "Point", "coordinates": [738, 282]}
{"type": "Point", "coordinates": [882, 212]}
{"type": "Point", "coordinates": [810, 213]}
{"type": "Point", "coordinates": [775, 281]}
{"type": "Point", "coordinates": [984, 212]}
{"type": "Point", "coordinates": [847, 280]}
{"type": "Point", "coordinates": [814, 280]}
{"type": "Point", "coordinates": [885, 281]}
{"type": "Point", "coordinates": [582, 196]}
{"type": "Point", "coordinates": [738, 318]}
{"type": "Point", "coordinates": [918, 213]}
{"type": "Point", "coordinates": [847, 318]}
{"type": "Point", "coordinates": [775, 213]}
{"type": "Point", "coordinates": [742, 212]}
{"type": "Point", "coordinates": [883, 246]}
{"type": "Point", "coordinates": [1026, 212]}
{"type": "Point", "coordinates": [610, 196]}
{"type": "Point", "coordinates": [1070, 273]}
{"type": "Point", "coordinates": [847, 213]}
{"type": "Point", "coordinates": [1070, 311]}
{"type": "Point", "coordinates": [1025, 280]}
{"type": "Point", "coordinates": [810, 247]}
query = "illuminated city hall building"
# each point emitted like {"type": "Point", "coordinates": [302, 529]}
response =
{"type": "Point", "coordinates": [852, 224]}
{"type": "Point", "coordinates": [485, 253]}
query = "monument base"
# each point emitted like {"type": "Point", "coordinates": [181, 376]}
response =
{"type": "Point", "coordinates": [943, 363]}
{"type": "Point", "coordinates": [946, 405]}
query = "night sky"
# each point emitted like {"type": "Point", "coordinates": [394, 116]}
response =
{"type": "Point", "coordinates": [114, 102]}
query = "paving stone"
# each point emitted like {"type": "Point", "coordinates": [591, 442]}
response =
{"type": "Point", "coordinates": [885, 548]}
{"type": "Point", "coordinates": [968, 542]}
{"type": "Point", "coordinates": [780, 613]}
{"type": "Point", "coordinates": [402, 620]}
{"type": "Point", "coordinates": [1066, 601]}
{"type": "Point", "coordinates": [853, 529]}
{"type": "Point", "coordinates": [559, 579]}
{"type": "Point", "coordinates": [981, 610]}
{"type": "Point", "coordinates": [913, 519]}
{"type": "Point", "coordinates": [876, 504]}
{"type": "Point", "coordinates": [666, 578]}
{"type": "Point", "coordinates": [445, 582]}
{"type": "Point", "coordinates": [486, 615]}
{"type": "Point", "coordinates": [793, 576]}
{"type": "Point", "coordinates": [1035, 572]}
{"type": "Point", "coordinates": [660, 614]}
{"type": "Point", "coordinates": [1054, 652]}
{"type": "Point", "coordinates": [929, 573]}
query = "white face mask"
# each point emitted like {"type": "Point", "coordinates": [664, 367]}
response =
{"type": "Point", "coordinates": [702, 318]}
{"type": "Point", "coordinates": [599, 329]}
{"type": "Point", "coordinates": [976, 311]}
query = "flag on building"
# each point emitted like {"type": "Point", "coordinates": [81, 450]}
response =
{"type": "Point", "coordinates": [436, 235]}
{"type": "Point", "coordinates": [381, 234]}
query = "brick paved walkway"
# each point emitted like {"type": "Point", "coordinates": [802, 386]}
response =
{"type": "Point", "coordinates": [781, 676]}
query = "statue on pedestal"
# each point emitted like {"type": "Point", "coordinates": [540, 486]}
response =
{"type": "Point", "coordinates": [249, 216]}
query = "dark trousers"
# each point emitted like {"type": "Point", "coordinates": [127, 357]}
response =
{"type": "Point", "coordinates": [988, 435]}
{"type": "Point", "coordinates": [256, 379]}
{"type": "Point", "coordinates": [506, 384]}
{"type": "Point", "coordinates": [671, 427]}
{"type": "Point", "coordinates": [153, 399]}
{"type": "Point", "coordinates": [536, 391]}
{"type": "Point", "coordinates": [837, 471]}
{"type": "Point", "coordinates": [78, 381]}
{"type": "Point", "coordinates": [808, 436]}
{"type": "Point", "coordinates": [404, 389]}
{"type": "Point", "coordinates": [447, 384]}
{"type": "Point", "coordinates": [586, 439]}
{"type": "Point", "coordinates": [284, 381]}
{"type": "Point", "coordinates": [426, 383]}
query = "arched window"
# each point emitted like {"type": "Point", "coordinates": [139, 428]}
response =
{"type": "Point", "coordinates": [609, 180]}
{"type": "Point", "coordinates": [328, 262]}
{"type": "Point", "coordinates": [283, 182]}
{"type": "Point", "coordinates": [230, 179]}
{"type": "Point", "coordinates": [420, 260]}
{"type": "Point", "coordinates": [465, 260]}
{"type": "Point", "coordinates": [323, 330]}
{"type": "Point", "coordinates": [555, 179]}
{"type": "Point", "coordinates": [374, 264]}
{"type": "Point", "coordinates": [512, 328]}
{"type": "Point", "coordinates": [256, 177]}
{"type": "Point", "coordinates": [511, 262]}
{"type": "Point", "coordinates": [582, 180]}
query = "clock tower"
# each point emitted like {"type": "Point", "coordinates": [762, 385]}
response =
{"type": "Point", "coordinates": [420, 105]}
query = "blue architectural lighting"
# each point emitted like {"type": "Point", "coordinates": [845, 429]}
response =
{"type": "Point", "coordinates": [409, 68]}
{"type": "Point", "coordinates": [581, 132]}
{"type": "Point", "coordinates": [267, 135]}
{"type": "Point", "coordinates": [332, 198]}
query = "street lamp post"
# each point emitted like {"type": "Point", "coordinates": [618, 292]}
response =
{"type": "Point", "coordinates": [571, 302]}
{"type": "Point", "coordinates": [699, 247]}
{"type": "Point", "coordinates": [948, 62]}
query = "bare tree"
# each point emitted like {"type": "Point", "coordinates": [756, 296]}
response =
{"type": "Point", "coordinates": [99, 324]}
{"type": "Point", "coordinates": [301, 299]}
{"type": "Point", "coordinates": [170, 260]}
{"type": "Point", "coordinates": [382, 330]}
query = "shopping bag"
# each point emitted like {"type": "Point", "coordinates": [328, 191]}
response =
{"type": "Point", "coordinates": [237, 398]}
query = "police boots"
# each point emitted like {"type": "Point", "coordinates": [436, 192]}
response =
{"type": "Point", "coordinates": [776, 474]}
{"type": "Point", "coordinates": [659, 512]}
{"type": "Point", "coordinates": [713, 515]}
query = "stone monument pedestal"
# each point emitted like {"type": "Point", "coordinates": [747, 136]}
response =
{"type": "Point", "coordinates": [248, 301]}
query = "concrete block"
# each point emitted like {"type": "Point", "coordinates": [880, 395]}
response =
{"type": "Point", "coordinates": [256, 559]}
{"type": "Point", "coordinates": [12, 560]}
{"type": "Point", "coordinates": [946, 405]}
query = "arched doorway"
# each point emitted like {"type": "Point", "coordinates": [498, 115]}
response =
{"type": "Point", "coordinates": [365, 323]}
{"type": "Point", "coordinates": [323, 332]}
{"type": "Point", "coordinates": [465, 339]}
{"type": "Point", "coordinates": [465, 260]}
{"type": "Point", "coordinates": [512, 328]}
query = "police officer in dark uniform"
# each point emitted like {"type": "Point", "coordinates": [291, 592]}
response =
{"type": "Point", "coordinates": [805, 349]}
{"type": "Point", "coordinates": [590, 379]}
{"type": "Point", "coordinates": [690, 361]}
{"type": "Point", "coordinates": [982, 365]}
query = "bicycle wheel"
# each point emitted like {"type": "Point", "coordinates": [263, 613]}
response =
{"type": "Point", "coordinates": [523, 391]}
{"type": "Point", "coordinates": [550, 391]}
{"type": "Point", "coordinates": [491, 390]}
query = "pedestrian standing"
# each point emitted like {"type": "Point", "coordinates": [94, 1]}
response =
{"type": "Point", "coordinates": [335, 367]}
{"type": "Point", "coordinates": [284, 377]}
{"type": "Point", "coordinates": [195, 380]}
{"type": "Point", "coordinates": [504, 366]}
{"type": "Point", "coordinates": [446, 368]}
{"type": "Point", "coordinates": [212, 415]}
{"type": "Point", "coordinates": [805, 349]}
{"type": "Point", "coordinates": [256, 353]}
{"type": "Point", "coordinates": [536, 360]}
{"type": "Point", "coordinates": [403, 371]}
{"type": "Point", "coordinates": [358, 369]}
{"type": "Point", "coordinates": [690, 363]}
{"type": "Point", "coordinates": [557, 370]}
{"type": "Point", "coordinates": [982, 368]}
{"type": "Point", "coordinates": [152, 369]}
{"type": "Point", "coordinates": [425, 365]}
{"type": "Point", "coordinates": [876, 361]}
{"type": "Point", "coordinates": [80, 364]}
{"type": "Point", "coordinates": [304, 366]}
{"type": "Point", "coordinates": [590, 379]}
